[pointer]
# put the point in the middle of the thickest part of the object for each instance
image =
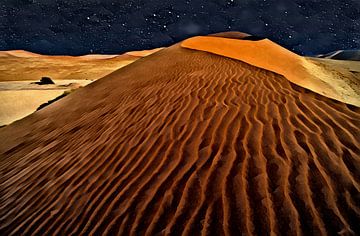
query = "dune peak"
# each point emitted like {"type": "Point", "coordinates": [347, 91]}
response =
{"type": "Point", "coordinates": [268, 55]}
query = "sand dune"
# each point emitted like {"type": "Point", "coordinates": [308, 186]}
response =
{"type": "Point", "coordinates": [184, 142]}
{"type": "Point", "coordinates": [270, 56]}
{"type": "Point", "coordinates": [20, 65]}
{"type": "Point", "coordinates": [18, 53]}
{"type": "Point", "coordinates": [352, 55]}
{"type": "Point", "coordinates": [19, 68]}
{"type": "Point", "coordinates": [143, 53]}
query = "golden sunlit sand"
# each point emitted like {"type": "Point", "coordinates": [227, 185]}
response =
{"type": "Point", "coordinates": [299, 70]}
{"type": "Point", "coordinates": [21, 98]}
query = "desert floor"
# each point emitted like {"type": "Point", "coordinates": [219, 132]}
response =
{"type": "Point", "coordinates": [21, 98]}
{"type": "Point", "coordinates": [18, 98]}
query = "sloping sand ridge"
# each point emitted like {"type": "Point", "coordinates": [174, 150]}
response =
{"type": "Point", "coordinates": [270, 56]}
{"type": "Point", "coordinates": [184, 142]}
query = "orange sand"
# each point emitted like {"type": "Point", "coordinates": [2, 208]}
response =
{"type": "Point", "coordinates": [184, 142]}
{"type": "Point", "coordinates": [270, 56]}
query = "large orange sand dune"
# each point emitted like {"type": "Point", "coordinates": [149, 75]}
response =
{"type": "Point", "coordinates": [184, 142]}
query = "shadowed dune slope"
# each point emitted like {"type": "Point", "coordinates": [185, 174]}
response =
{"type": "Point", "coordinates": [271, 56]}
{"type": "Point", "coordinates": [184, 142]}
{"type": "Point", "coordinates": [237, 35]}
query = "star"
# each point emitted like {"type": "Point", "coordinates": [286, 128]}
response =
{"type": "Point", "coordinates": [92, 23]}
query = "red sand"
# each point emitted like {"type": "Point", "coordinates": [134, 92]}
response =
{"type": "Point", "coordinates": [184, 142]}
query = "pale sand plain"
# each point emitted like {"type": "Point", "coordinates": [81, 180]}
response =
{"type": "Point", "coordinates": [19, 98]}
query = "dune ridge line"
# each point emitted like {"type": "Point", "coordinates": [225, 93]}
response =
{"type": "Point", "coordinates": [271, 56]}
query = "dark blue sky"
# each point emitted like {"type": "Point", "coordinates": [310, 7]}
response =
{"type": "Point", "coordinates": [77, 27]}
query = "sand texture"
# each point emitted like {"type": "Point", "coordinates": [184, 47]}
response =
{"type": "Point", "coordinates": [21, 98]}
{"type": "Point", "coordinates": [20, 65]}
{"type": "Point", "coordinates": [184, 142]}
{"type": "Point", "coordinates": [271, 56]}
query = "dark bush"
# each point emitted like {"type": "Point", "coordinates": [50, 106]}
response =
{"type": "Point", "coordinates": [45, 80]}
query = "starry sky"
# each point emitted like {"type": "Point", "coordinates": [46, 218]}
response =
{"type": "Point", "coordinates": [76, 27]}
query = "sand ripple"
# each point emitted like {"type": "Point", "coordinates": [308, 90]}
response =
{"type": "Point", "coordinates": [184, 142]}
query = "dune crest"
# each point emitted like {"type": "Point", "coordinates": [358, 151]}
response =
{"type": "Point", "coordinates": [271, 56]}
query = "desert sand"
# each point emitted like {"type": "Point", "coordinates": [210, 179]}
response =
{"type": "Point", "coordinates": [21, 98]}
{"type": "Point", "coordinates": [21, 65]}
{"type": "Point", "coordinates": [184, 142]}
{"type": "Point", "coordinates": [271, 56]}
{"type": "Point", "coordinates": [143, 53]}
{"type": "Point", "coordinates": [18, 98]}
{"type": "Point", "coordinates": [352, 55]}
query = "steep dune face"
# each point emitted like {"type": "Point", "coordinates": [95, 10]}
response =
{"type": "Point", "coordinates": [270, 56]}
{"type": "Point", "coordinates": [184, 142]}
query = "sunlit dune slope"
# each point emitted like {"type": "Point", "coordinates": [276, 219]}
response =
{"type": "Point", "coordinates": [184, 142]}
{"type": "Point", "coordinates": [18, 53]}
{"type": "Point", "coordinates": [270, 56]}
{"type": "Point", "coordinates": [20, 65]}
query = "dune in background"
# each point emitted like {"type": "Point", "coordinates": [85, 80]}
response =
{"type": "Point", "coordinates": [270, 56]}
{"type": "Point", "coordinates": [19, 98]}
{"type": "Point", "coordinates": [20, 65]}
{"type": "Point", "coordinates": [184, 142]}
{"type": "Point", "coordinates": [143, 53]}
{"type": "Point", "coordinates": [348, 55]}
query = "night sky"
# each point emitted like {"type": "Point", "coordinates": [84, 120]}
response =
{"type": "Point", "coordinates": [76, 27]}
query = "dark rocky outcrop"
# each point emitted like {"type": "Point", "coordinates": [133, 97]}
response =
{"type": "Point", "coordinates": [44, 81]}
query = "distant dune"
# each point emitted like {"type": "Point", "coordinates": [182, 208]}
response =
{"type": "Point", "coordinates": [185, 142]}
{"type": "Point", "coordinates": [348, 55]}
{"type": "Point", "coordinates": [18, 53]}
{"type": "Point", "coordinates": [19, 68]}
{"type": "Point", "coordinates": [268, 55]}
{"type": "Point", "coordinates": [20, 65]}
{"type": "Point", "coordinates": [143, 53]}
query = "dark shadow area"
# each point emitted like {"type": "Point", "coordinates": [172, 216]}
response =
{"type": "Point", "coordinates": [53, 100]}
{"type": "Point", "coordinates": [237, 35]}
{"type": "Point", "coordinates": [254, 38]}
{"type": "Point", "coordinates": [44, 81]}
